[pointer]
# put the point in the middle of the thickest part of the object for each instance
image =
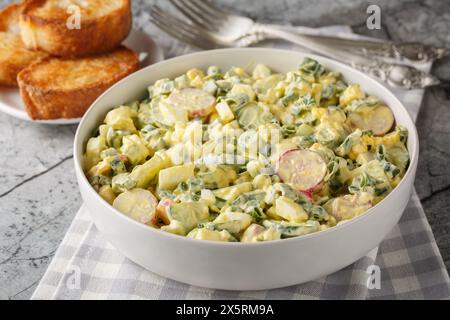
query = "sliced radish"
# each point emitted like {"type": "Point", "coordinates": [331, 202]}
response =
{"type": "Point", "coordinates": [138, 204]}
{"type": "Point", "coordinates": [379, 120]}
{"type": "Point", "coordinates": [303, 169]}
{"type": "Point", "coordinates": [197, 102]}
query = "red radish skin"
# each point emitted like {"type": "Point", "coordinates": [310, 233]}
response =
{"type": "Point", "coordinates": [199, 113]}
{"type": "Point", "coordinates": [161, 213]}
{"type": "Point", "coordinates": [303, 169]}
{"type": "Point", "coordinates": [308, 194]}
{"type": "Point", "coordinates": [155, 203]}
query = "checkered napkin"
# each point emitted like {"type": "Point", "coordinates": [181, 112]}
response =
{"type": "Point", "coordinates": [410, 266]}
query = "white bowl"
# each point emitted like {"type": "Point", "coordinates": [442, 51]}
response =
{"type": "Point", "coordinates": [239, 266]}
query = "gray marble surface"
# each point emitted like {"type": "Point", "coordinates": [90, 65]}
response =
{"type": "Point", "coordinates": [38, 191]}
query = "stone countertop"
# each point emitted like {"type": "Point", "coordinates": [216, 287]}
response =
{"type": "Point", "coordinates": [38, 191]}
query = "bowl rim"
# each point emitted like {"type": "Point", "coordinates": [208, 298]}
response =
{"type": "Point", "coordinates": [414, 154]}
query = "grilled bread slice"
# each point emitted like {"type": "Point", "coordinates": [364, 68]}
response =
{"type": "Point", "coordinates": [9, 18]}
{"type": "Point", "coordinates": [56, 88]}
{"type": "Point", "coordinates": [51, 26]}
{"type": "Point", "coordinates": [14, 57]}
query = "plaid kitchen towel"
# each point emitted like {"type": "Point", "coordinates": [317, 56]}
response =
{"type": "Point", "coordinates": [410, 266]}
{"type": "Point", "coordinates": [407, 264]}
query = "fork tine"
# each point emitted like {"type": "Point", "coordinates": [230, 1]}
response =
{"type": "Point", "coordinates": [177, 34]}
{"type": "Point", "coordinates": [199, 10]}
{"type": "Point", "coordinates": [192, 14]}
{"type": "Point", "coordinates": [173, 27]}
{"type": "Point", "coordinates": [167, 17]}
{"type": "Point", "coordinates": [210, 8]}
{"type": "Point", "coordinates": [179, 29]}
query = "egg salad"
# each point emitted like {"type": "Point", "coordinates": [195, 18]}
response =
{"type": "Point", "coordinates": [250, 156]}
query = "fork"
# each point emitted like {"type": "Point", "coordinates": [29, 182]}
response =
{"type": "Point", "coordinates": [228, 27]}
{"type": "Point", "coordinates": [205, 33]}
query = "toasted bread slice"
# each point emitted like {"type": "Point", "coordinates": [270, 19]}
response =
{"type": "Point", "coordinates": [9, 18]}
{"type": "Point", "coordinates": [14, 57]}
{"type": "Point", "coordinates": [56, 88]}
{"type": "Point", "coordinates": [51, 26]}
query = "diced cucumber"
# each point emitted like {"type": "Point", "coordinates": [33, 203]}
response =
{"type": "Point", "coordinates": [231, 193]}
{"type": "Point", "coordinates": [292, 229]}
{"type": "Point", "coordinates": [122, 182]}
{"type": "Point", "coordinates": [134, 149]}
{"type": "Point", "coordinates": [217, 177]}
{"type": "Point", "coordinates": [399, 156]}
{"type": "Point", "coordinates": [233, 222]}
{"type": "Point", "coordinates": [251, 116]}
{"type": "Point", "coordinates": [188, 214]}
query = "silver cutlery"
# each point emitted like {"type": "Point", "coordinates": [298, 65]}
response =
{"type": "Point", "coordinates": [203, 13]}
{"type": "Point", "coordinates": [209, 29]}
{"type": "Point", "coordinates": [410, 54]}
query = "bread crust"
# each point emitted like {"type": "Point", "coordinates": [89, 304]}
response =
{"type": "Point", "coordinates": [9, 18]}
{"type": "Point", "coordinates": [47, 98]}
{"type": "Point", "coordinates": [14, 57]}
{"type": "Point", "coordinates": [51, 34]}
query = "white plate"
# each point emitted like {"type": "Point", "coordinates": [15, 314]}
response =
{"type": "Point", "coordinates": [149, 53]}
